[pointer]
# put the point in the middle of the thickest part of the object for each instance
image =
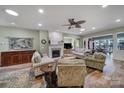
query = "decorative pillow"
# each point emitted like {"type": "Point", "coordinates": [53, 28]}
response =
{"type": "Point", "coordinates": [99, 55]}
{"type": "Point", "coordinates": [36, 58]}
{"type": "Point", "coordinates": [41, 54]}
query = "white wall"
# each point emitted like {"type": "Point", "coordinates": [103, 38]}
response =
{"type": "Point", "coordinates": [75, 41]}
{"type": "Point", "coordinates": [44, 48]}
{"type": "Point", "coordinates": [55, 37]}
{"type": "Point", "coordinates": [86, 43]}
{"type": "Point", "coordinates": [69, 38]}
{"type": "Point", "coordinates": [6, 32]}
{"type": "Point", "coordinates": [117, 54]}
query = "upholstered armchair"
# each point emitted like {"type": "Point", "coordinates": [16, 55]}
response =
{"type": "Point", "coordinates": [97, 61]}
{"type": "Point", "coordinates": [71, 72]}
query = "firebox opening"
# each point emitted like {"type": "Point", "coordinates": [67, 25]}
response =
{"type": "Point", "coordinates": [55, 53]}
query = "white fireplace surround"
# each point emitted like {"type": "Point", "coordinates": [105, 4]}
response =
{"type": "Point", "coordinates": [56, 47]}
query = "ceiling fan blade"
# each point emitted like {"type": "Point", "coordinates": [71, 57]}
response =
{"type": "Point", "coordinates": [81, 22]}
{"type": "Point", "coordinates": [77, 26]}
{"type": "Point", "coordinates": [73, 24]}
{"type": "Point", "coordinates": [66, 25]}
{"type": "Point", "coordinates": [71, 21]}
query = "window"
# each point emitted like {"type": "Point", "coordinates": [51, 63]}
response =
{"type": "Point", "coordinates": [120, 41]}
{"type": "Point", "coordinates": [104, 42]}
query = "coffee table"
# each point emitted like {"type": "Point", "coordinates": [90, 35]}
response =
{"type": "Point", "coordinates": [50, 75]}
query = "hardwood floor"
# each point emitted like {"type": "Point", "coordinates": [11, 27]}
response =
{"type": "Point", "coordinates": [111, 77]}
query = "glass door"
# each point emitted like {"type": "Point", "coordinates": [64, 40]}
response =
{"type": "Point", "coordinates": [120, 41]}
{"type": "Point", "coordinates": [104, 43]}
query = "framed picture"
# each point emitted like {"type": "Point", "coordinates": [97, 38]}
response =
{"type": "Point", "coordinates": [20, 43]}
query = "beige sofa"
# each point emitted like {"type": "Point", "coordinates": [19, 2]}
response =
{"type": "Point", "coordinates": [97, 61]}
{"type": "Point", "coordinates": [71, 72]}
{"type": "Point", "coordinates": [81, 53]}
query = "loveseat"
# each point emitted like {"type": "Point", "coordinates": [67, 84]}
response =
{"type": "Point", "coordinates": [97, 61]}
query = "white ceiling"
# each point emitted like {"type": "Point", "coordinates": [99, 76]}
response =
{"type": "Point", "coordinates": [55, 16]}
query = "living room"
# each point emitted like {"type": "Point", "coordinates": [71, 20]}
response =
{"type": "Point", "coordinates": [45, 46]}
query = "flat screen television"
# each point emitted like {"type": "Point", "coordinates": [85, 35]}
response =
{"type": "Point", "coordinates": [67, 45]}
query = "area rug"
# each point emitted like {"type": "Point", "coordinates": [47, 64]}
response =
{"type": "Point", "coordinates": [15, 79]}
{"type": "Point", "coordinates": [22, 78]}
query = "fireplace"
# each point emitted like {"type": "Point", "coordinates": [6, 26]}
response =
{"type": "Point", "coordinates": [55, 53]}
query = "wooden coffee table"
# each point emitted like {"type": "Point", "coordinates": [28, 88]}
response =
{"type": "Point", "coordinates": [50, 75]}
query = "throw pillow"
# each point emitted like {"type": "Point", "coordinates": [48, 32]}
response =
{"type": "Point", "coordinates": [99, 55]}
{"type": "Point", "coordinates": [36, 58]}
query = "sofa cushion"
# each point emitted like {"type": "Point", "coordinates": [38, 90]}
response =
{"type": "Point", "coordinates": [92, 59]}
{"type": "Point", "coordinates": [99, 55]}
{"type": "Point", "coordinates": [79, 50]}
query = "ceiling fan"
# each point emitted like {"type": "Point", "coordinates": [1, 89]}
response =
{"type": "Point", "coordinates": [76, 24]}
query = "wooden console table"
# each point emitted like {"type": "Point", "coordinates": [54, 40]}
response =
{"type": "Point", "coordinates": [16, 57]}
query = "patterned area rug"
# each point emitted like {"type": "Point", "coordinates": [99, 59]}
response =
{"type": "Point", "coordinates": [19, 79]}
{"type": "Point", "coordinates": [15, 79]}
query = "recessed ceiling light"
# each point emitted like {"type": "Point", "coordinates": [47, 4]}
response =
{"type": "Point", "coordinates": [104, 6]}
{"type": "Point", "coordinates": [93, 28]}
{"type": "Point", "coordinates": [11, 12]}
{"type": "Point", "coordinates": [13, 23]}
{"type": "Point", "coordinates": [40, 25]}
{"type": "Point", "coordinates": [83, 29]}
{"type": "Point", "coordinates": [41, 11]}
{"type": "Point", "coordinates": [117, 20]}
